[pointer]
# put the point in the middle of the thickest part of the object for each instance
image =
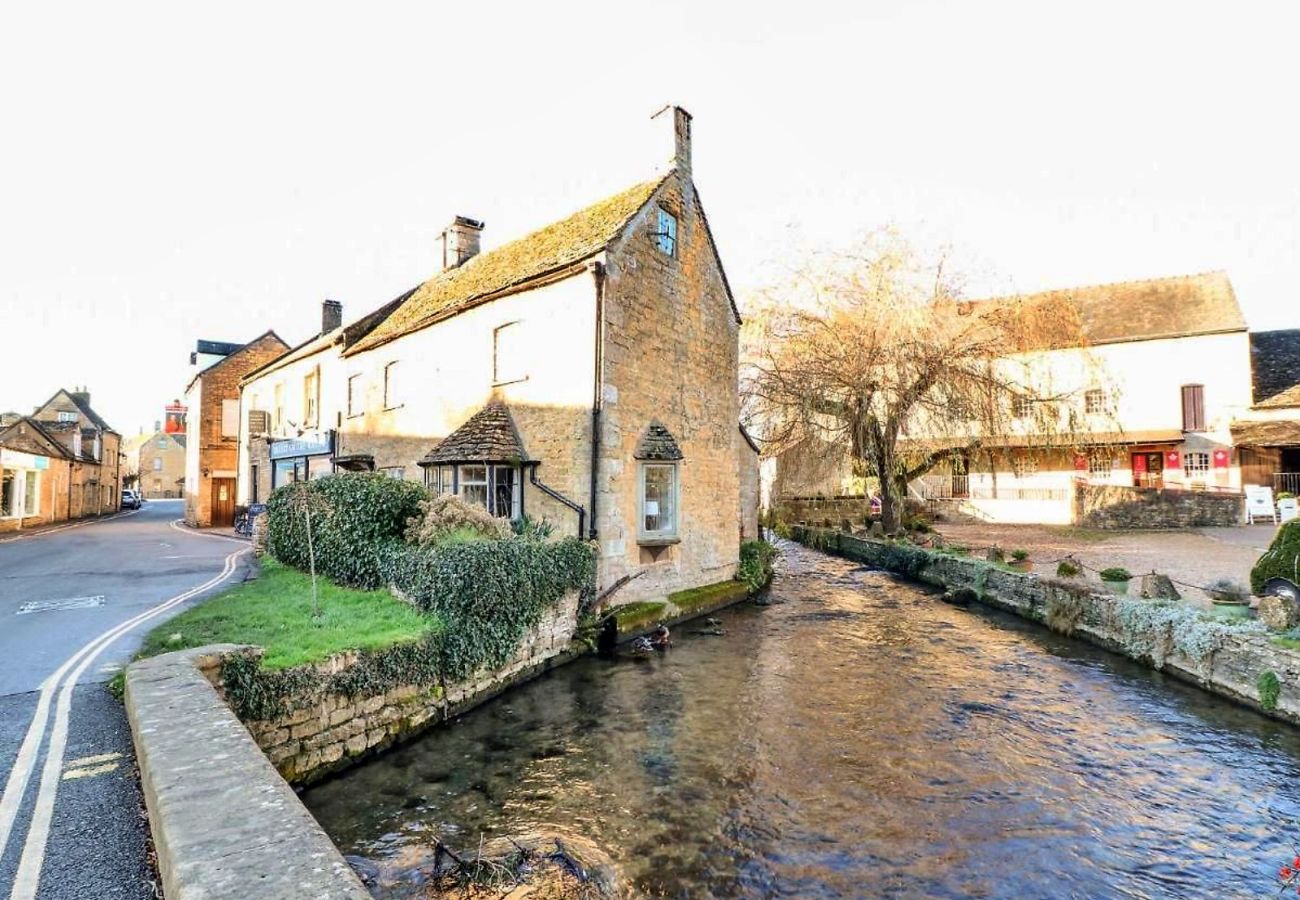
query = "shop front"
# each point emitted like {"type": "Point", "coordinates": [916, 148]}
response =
{"type": "Point", "coordinates": [302, 458]}
{"type": "Point", "coordinates": [21, 477]}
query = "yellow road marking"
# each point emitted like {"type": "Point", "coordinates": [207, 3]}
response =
{"type": "Point", "coordinates": [93, 760]}
{"type": "Point", "coordinates": [89, 771]}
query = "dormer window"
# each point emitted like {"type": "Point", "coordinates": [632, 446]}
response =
{"type": "Point", "coordinates": [666, 233]}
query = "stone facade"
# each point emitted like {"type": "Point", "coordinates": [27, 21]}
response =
{"type": "Point", "coordinates": [160, 466]}
{"type": "Point", "coordinates": [1115, 506]}
{"type": "Point", "coordinates": [1231, 669]}
{"type": "Point", "coordinates": [823, 510]}
{"type": "Point", "coordinates": [321, 733]}
{"type": "Point", "coordinates": [212, 442]}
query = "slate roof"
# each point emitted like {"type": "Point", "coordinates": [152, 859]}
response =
{"type": "Point", "coordinates": [1179, 306]}
{"type": "Point", "coordinates": [1266, 434]}
{"type": "Point", "coordinates": [548, 250]}
{"type": "Point", "coordinates": [81, 405]}
{"type": "Point", "coordinates": [657, 443]}
{"type": "Point", "coordinates": [1275, 367]}
{"type": "Point", "coordinates": [487, 436]}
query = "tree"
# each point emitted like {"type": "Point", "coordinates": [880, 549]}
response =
{"type": "Point", "coordinates": [873, 352]}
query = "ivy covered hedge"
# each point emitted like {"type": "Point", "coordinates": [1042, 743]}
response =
{"type": "Point", "coordinates": [755, 568]}
{"type": "Point", "coordinates": [354, 518]}
{"type": "Point", "coordinates": [1281, 560]}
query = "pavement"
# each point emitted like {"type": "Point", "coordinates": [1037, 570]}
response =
{"type": "Point", "coordinates": [1195, 556]}
{"type": "Point", "coordinates": [74, 605]}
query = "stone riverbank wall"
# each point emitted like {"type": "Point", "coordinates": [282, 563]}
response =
{"type": "Point", "coordinates": [1242, 664]}
{"type": "Point", "coordinates": [320, 732]}
{"type": "Point", "coordinates": [1121, 506]}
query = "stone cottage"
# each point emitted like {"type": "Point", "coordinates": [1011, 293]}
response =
{"type": "Point", "coordinates": [586, 374]}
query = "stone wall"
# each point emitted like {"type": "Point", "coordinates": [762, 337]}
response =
{"type": "Point", "coordinates": [819, 510]}
{"type": "Point", "coordinates": [1119, 506]}
{"type": "Point", "coordinates": [1231, 670]}
{"type": "Point", "coordinates": [321, 733]}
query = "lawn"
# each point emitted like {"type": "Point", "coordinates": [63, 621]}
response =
{"type": "Point", "coordinates": [274, 611]}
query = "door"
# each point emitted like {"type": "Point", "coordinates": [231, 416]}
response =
{"type": "Point", "coordinates": [1148, 470]}
{"type": "Point", "coordinates": [223, 502]}
{"type": "Point", "coordinates": [960, 476]}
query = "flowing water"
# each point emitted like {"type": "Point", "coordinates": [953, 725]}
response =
{"type": "Point", "coordinates": [857, 738]}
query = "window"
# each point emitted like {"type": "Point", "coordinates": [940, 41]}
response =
{"type": "Point", "coordinates": [1024, 465]}
{"type": "Point", "coordinates": [507, 354]}
{"type": "Point", "coordinates": [354, 395]}
{"type": "Point", "coordinates": [229, 419]}
{"type": "Point", "coordinates": [1100, 465]}
{"type": "Point", "coordinates": [1021, 406]}
{"type": "Point", "coordinates": [162, 443]}
{"type": "Point", "coordinates": [666, 233]}
{"type": "Point", "coordinates": [474, 485]}
{"type": "Point", "coordinates": [67, 416]}
{"type": "Point", "coordinates": [1193, 407]}
{"type": "Point", "coordinates": [279, 405]}
{"type": "Point", "coordinates": [1094, 401]}
{"type": "Point", "coordinates": [8, 492]}
{"type": "Point", "coordinates": [157, 463]}
{"type": "Point", "coordinates": [658, 502]}
{"type": "Point", "coordinates": [311, 398]}
{"type": "Point", "coordinates": [1196, 464]}
{"type": "Point", "coordinates": [506, 486]}
{"type": "Point", "coordinates": [438, 479]}
{"type": "Point", "coordinates": [252, 483]}
{"type": "Point", "coordinates": [397, 472]}
{"type": "Point", "coordinates": [391, 398]}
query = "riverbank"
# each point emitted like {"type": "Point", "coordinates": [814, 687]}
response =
{"type": "Point", "coordinates": [1237, 660]}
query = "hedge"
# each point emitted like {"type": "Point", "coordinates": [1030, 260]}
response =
{"type": "Point", "coordinates": [1282, 559]}
{"type": "Point", "coordinates": [354, 517]}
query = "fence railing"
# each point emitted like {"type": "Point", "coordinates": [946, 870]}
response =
{"type": "Point", "coordinates": [1286, 481]}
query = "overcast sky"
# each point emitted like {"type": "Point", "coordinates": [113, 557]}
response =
{"type": "Point", "coordinates": [173, 171]}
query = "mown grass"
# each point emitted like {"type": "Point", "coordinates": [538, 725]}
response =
{"type": "Point", "coordinates": [275, 612]}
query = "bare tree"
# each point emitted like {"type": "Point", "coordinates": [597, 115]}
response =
{"type": "Point", "coordinates": [874, 353]}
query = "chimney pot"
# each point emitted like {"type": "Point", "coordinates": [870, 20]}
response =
{"type": "Point", "coordinates": [331, 316]}
{"type": "Point", "coordinates": [460, 242]}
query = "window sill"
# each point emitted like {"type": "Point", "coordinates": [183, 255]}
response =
{"type": "Point", "coordinates": [391, 408]}
{"type": "Point", "coordinates": [508, 381]}
{"type": "Point", "coordinates": [359, 415]}
{"type": "Point", "coordinates": [645, 541]}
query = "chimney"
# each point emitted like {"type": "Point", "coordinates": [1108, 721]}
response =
{"type": "Point", "coordinates": [331, 316]}
{"type": "Point", "coordinates": [460, 241]}
{"type": "Point", "coordinates": [681, 124]}
{"type": "Point", "coordinates": [81, 395]}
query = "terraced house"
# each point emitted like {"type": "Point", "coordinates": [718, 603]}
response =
{"type": "Point", "coordinates": [586, 374]}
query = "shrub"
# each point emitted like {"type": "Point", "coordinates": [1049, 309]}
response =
{"type": "Point", "coordinates": [352, 515]}
{"type": "Point", "coordinates": [1020, 555]}
{"type": "Point", "coordinates": [1225, 590]}
{"type": "Point", "coordinates": [536, 529]}
{"type": "Point", "coordinates": [755, 568]}
{"type": "Point", "coordinates": [488, 593]}
{"type": "Point", "coordinates": [1269, 688]}
{"type": "Point", "coordinates": [1116, 573]}
{"type": "Point", "coordinates": [1281, 560]}
{"type": "Point", "coordinates": [444, 516]}
{"type": "Point", "coordinates": [1067, 569]}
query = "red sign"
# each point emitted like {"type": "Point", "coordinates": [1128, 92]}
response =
{"type": "Point", "coordinates": [1080, 462]}
{"type": "Point", "coordinates": [1172, 461]}
{"type": "Point", "coordinates": [1221, 459]}
{"type": "Point", "coordinates": [1140, 464]}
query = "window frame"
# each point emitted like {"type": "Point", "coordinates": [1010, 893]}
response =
{"type": "Point", "coordinates": [1094, 401]}
{"type": "Point", "coordinates": [31, 492]}
{"type": "Point", "coordinates": [1202, 467]}
{"type": "Point", "coordinates": [516, 373]}
{"type": "Point", "coordinates": [1100, 465]}
{"type": "Point", "coordinates": [1024, 465]}
{"type": "Point", "coordinates": [391, 371]}
{"type": "Point", "coordinates": [354, 395]}
{"type": "Point", "coordinates": [672, 533]}
{"type": "Point", "coordinates": [462, 482]}
{"type": "Point", "coordinates": [666, 232]}
{"type": "Point", "coordinates": [311, 398]}
{"type": "Point", "coordinates": [1193, 406]}
{"type": "Point", "coordinates": [1022, 406]}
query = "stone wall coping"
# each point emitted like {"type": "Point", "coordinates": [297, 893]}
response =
{"type": "Point", "coordinates": [224, 823]}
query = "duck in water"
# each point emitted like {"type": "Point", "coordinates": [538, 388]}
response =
{"type": "Point", "coordinates": [662, 639]}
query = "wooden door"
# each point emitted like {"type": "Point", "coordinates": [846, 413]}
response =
{"type": "Point", "coordinates": [223, 502]}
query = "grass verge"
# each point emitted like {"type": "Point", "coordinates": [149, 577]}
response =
{"type": "Point", "coordinates": [275, 612]}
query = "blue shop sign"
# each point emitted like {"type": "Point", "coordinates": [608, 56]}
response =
{"type": "Point", "coordinates": [322, 445]}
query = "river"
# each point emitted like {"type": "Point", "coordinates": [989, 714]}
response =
{"type": "Point", "coordinates": [857, 738]}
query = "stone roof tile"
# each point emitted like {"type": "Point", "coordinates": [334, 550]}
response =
{"type": "Point", "coordinates": [487, 436]}
{"type": "Point", "coordinates": [657, 443]}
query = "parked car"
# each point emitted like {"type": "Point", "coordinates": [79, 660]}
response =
{"type": "Point", "coordinates": [130, 499]}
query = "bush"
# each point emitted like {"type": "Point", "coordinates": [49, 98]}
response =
{"type": "Point", "coordinates": [353, 517]}
{"type": "Point", "coordinates": [755, 568]}
{"type": "Point", "coordinates": [1115, 573]}
{"type": "Point", "coordinates": [1281, 560]}
{"type": "Point", "coordinates": [1269, 688]}
{"type": "Point", "coordinates": [1067, 569]}
{"type": "Point", "coordinates": [488, 594]}
{"type": "Point", "coordinates": [445, 517]}
{"type": "Point", "coordinates": [1020, 555]}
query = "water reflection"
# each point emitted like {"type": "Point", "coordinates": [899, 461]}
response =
{"type": "Point", "coordinates": [857, 738]}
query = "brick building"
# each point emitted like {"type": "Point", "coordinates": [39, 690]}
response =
{"type": "Point", "coordinates": [212, 425]}
{"type": "Point", "coordinates": [586, 374]}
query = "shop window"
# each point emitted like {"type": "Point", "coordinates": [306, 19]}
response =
{"type": "Point", "coordinates": [1094, 401]}
{"type": "Point", "coordinates": [1196, 464]}
{"type": "Point", "coordinates": [666, 233]}
{"type": "Point", "coordinates": [8, 492]}
{"type": "Point", "coordinates": [657, 501]}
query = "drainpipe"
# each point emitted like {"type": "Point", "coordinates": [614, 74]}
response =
{"type": "Point", "coordinates": [598, 274]}
{"type": "Point", "coordinates": [558, 497]}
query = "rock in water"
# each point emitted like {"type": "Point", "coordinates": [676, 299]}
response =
{"type": "Point", "coordinates": [1158, 587]}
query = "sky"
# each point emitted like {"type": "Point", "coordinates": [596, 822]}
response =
{"type": "Point", "coordinates": [170, 172]}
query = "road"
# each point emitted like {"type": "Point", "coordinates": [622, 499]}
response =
{"type": "Point", "coordinates": [74, 604]}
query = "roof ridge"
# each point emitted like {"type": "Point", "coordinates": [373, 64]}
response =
{"type": "Point", "coordinates": [1108, 284]}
